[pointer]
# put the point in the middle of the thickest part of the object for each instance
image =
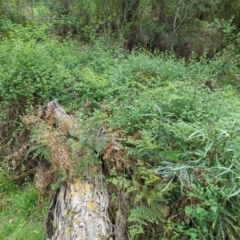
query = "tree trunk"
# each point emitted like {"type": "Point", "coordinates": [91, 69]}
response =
{"type": "Point", "coordinates": [175, 26]}
{"type": "Point", "coordinates": [79, 211]}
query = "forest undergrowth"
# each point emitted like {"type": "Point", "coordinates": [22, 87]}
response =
{"type": "Point", "coordinates": [166, 130]}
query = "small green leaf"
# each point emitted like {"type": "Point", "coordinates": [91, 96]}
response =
{"type": "Point", "coordinates": [214, 208]}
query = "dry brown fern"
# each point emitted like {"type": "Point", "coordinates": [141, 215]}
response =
{"type": "Point", "coordinates": [47, 126]}
{"type": "Point", "coordinates": [114, 155]}
{"type": "Point", "coordinates": [44, 177]}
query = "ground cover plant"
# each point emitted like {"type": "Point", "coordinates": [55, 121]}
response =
{"type": "Point", "coordinates": [20, 214]}
{"type": "Point", "coordinates": [166, 131]}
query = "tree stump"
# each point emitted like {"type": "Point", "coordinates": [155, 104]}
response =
{"type": "Point", "coordinates": [79, 208]}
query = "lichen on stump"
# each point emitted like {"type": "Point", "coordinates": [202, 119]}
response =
{"type": "Point", "coordinates": [79, 207]}
{"type": "Point", "coordinates": [80, 211]}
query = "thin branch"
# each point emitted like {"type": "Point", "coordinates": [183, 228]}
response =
{"type": "Point", "coordinates": [175, 26]}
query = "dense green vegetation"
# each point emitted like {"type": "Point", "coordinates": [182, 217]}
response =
{"type": "Point", "coordinates": [19, 213]}
{"type": "Point", "coordinates": [176, 116]}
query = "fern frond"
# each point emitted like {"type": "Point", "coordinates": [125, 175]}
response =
{"type": "Point", "coordinates": [144, 215]}
{"type": "Point", "coordinates": [41, 151]}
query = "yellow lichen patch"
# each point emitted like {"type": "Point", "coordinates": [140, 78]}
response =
{"type": "Point", "coordinates": [91, 206]}
{"type": "Point", "coordinates": [77, 182]}
{"type": "Point", "coordinates": [65, 212]}
{"type": "Point", "coordinates": [77, 185]}
{"type": "Point", "coordinates": [71, 213]}
{"type": "Point", "coordinates": [68, 231]}
{"type": "Point", "coordinates": [86, 188]}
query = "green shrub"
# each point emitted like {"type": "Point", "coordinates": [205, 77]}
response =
{"type": "Point", "coordinates": [179, 134]}
{"type": "Point", "coordinates": [183, 131]}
